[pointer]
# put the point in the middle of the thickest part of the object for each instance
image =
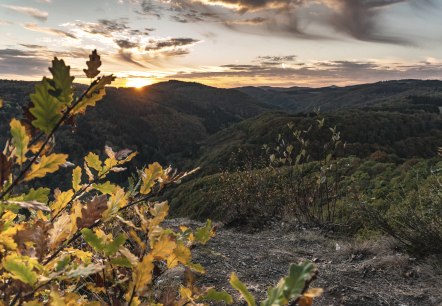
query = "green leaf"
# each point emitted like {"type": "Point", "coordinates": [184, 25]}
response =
{"type": "Point", "coordinates": [100, 245]}
{"type": "Point", "coordinates": [238, 285]}
{"type": "Point", "coordinates": [106, 188]}
{"type": "Point", "coordinates": [41, 195]}
{"type": "Point", "coordinates": [203, 234]}
{"type": "Point", "coordinates": [93, 240]}
{"type": "Point", "coordinates": [121, 262]}
{"type": "Point", "coordinates": [218, 296]}
{"type": "Point", "coordinates": [112, 248]}
{"type": "Point", "coordinates": [290, 287]}
{"type": "Point", "coordinates": [20, 140]}
{"type": "Point", "coordinates": [62, 263]}
{"type": "Point", "coordinates": [62, 82]}
{"type": "Point", "coordinates": [20, 268]}
{"type": "Point", "coordinates": [46, 109]}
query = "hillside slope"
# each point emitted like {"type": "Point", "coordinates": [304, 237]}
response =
{"type": "Point", "coordinates": [164, 122]}
{"type": "Point", "coordinates": [300, 99]}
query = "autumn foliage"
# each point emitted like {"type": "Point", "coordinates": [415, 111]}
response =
{"type": "Point", "coordinates": [97, 243]}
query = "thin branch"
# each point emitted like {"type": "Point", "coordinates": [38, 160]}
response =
{"type": "Point", "coordinates": [48, 137]}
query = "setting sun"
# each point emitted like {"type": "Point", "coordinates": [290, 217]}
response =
{"type": "Point", "coordinates": [138, 82]}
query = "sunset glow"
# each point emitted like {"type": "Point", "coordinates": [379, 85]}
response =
{"type": "Point", "coordinates": [226, 43]}
{"type": "Point", "coordinates": [137, 83]}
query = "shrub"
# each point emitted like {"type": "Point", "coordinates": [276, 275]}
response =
{"type": "Point", "coordinates": [414, 217]}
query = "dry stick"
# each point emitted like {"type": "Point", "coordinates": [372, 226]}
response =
{"type": "Point", "coordinates": [36, 156]}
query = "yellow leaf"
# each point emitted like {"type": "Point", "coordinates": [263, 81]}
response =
{"type": "Point", "coordinates": [116, 201]}
{"type": "Point", "coordinates": [60, 231]}
{"type": "Point", "coordinates": [95, 94]}
{"type": "Point", "coordinates": [61, 200]}
{"type": "Point", "coordinates": [128, 254]}
{"type": "Point", "coordinates": [8, 216]}
{"type": "Point", "coordinates": [109, 163]}
{"type": "Point", "coordinates": [30, 303]}
{"type": "Point", "coordinates": [314, 292]}
{"type": "Point", "coordinates": [84, 256]}
{"type": "Point", "coordinates": [76, 179]}
{"type": "Point", "coordinates": [20, 140]}
{"type": "Point", "coordinates": [47, 164]}
{"type": "Point", "coordinates": [93, 161]}
{"type": "Point", "coordinates": [88, 172]}
{"type": "Point", "coordinates": [150, 175]}
{"type": "Point", "coordinates": [159, 212]}
{"type": "Point", "coordinates": [21, 268]}
{"type": "Point", "coordinates": [186, 293]}
{"type": "Point", "coordinates": [56, 299]}
{"type": "Point", "coordinates": [7, 236]}
{"type": "Point", "coordinates": [143, 273]}
{"type": "Point", "coordinates": [181, 254]}
{"type": "Point", "coordinates": [137, 239]}
{"type": "Point", "coordinates": [164, 247]}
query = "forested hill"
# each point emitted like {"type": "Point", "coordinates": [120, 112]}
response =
{"type": "Point", "coordinates": [164, 122]}
{"type": "Point", "coordinates": [384, 94]}
{"type": "Point", "coordinates": [190, 124]}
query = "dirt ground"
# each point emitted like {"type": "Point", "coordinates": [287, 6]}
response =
{"type": "Point", "coordinates": [351, 273]}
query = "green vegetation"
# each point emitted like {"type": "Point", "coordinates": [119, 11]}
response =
{"type": "Point", "coordinates": [96, 242]}
{"type": "Point", "coordinates": [370, 167]}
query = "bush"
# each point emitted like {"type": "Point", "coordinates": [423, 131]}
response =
{"type": "Point", "coordinates": [413, 218]}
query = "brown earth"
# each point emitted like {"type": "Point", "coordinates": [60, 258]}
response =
{"type": "Point", "coordinates": [351, 273]}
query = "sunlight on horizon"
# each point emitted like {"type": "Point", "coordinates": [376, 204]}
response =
{"type": "Point", "coordinates": [137, 82]}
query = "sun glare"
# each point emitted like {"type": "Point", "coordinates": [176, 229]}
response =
{"type": "Point", "coordinates": [138, 82]}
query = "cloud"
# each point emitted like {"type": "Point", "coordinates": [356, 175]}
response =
{"type": "Point", "coordinates": [19, 62]}
{"type": "Point", "coordinates": [126, 44]}
{"type": "Point", "coordinates": [170, 43]}
{"type": "Point", "coordinates": [50, 31]}
{"type": "Point", "coordinates": [34, 60]}
{"type": "Point", "coordinates": [33, 12]}
{"type": "Point", "coordinates": [362, 20]}
{"type": "Point", "coordinates": [319, 73]}
{"type": "Point", "coordinates": [131, 45]}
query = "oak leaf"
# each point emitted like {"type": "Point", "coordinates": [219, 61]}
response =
{"type": "Point", "coordinates": [20, 140]}
{"type": "Point", "coordinates": [47, 164]}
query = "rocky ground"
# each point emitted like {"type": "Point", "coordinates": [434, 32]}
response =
{"type": "Point", "coordinates": [351, 273]}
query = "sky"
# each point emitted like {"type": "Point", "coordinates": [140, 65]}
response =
{"type": "Point", "coordinates": [226, 43]}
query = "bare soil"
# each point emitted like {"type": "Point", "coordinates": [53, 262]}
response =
{"type": "Point", "coordinates": [351, 273]}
